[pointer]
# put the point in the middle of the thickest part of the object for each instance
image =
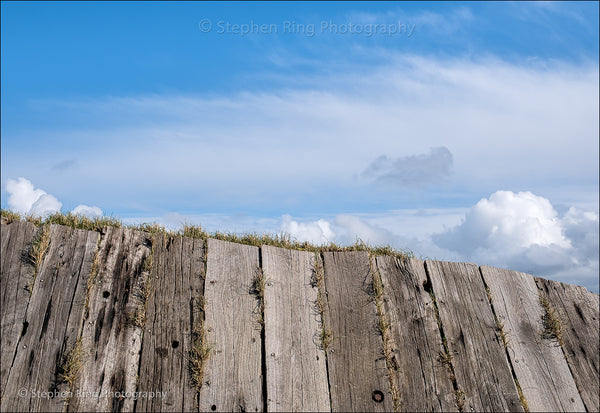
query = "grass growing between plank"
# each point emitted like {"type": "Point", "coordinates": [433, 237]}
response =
{"type": "Point", "coordinates": [37, 252]}
{"type": "Point", "coordinates": [384, 325]}
{"type": "Point", "coordinates": [553, 325]}
{"type": "Point", "coordinates": [318, 281]}
{"type": "Point", "coordinates": [72, 363]}
{"type": "Point", "coordinates": [257, 289]}
{"type": "Point", "coordinates": [144, 290]}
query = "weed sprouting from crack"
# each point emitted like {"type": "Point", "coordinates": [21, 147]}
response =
{"type": "Point", "coordinates": [198, 355]}
{"type": "Point", "coordinates": [384, 324]}
{"type": "Point", "coordinates": [143, 290]}
{"type": "Point", "coordinates": [553, 325]}
{"type": "Point", "coordinates": [257, 288]}
{"type": "Point", "coordinates": [318, 282]}
{"type": "Point", "coordinates": [498, 320]}
{"type": "Point", "coordinates": [522, 398]}
{"type": "Point", "coordinates": [38, 251]}
{"type": "Point", "coordinates": [71, 365]}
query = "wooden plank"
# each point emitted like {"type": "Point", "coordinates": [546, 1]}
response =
{"type": "Point", "coordinates": [54, 316]}
{"type": "Point", "coordinates": [578, 309]}
{"type": "Point", "coordinates": [423, 382]}
{"type": "Point", "coordinates": [296, 369]}
{"type": "Point", "coordinates": [357, 368]}
{"type": "Point", "coordinates": [111, 342]}
{"type": "Point", "coordinates": [234, 379]}
{"type": "Point", "coordinates": [538, 363]}
{"type": "Point", "coordinates": [479, 359]}
{"type": "Point", "coordinates": [177, 284]}
{"type": "Point", "coordinates": [16, 274]}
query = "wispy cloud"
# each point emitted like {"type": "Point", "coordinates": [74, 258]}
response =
{"type": "Point", "coordinates": [292, 144]}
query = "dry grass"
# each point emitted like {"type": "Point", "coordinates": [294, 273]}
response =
{"type": "Point", "coordinates": [318, 281]}
{"type": "Point", "coordinates": [92, 278]}
{"type": "Point", "coordinates": [522, 398]}
{"type": "Point", "coordinates": [383, 323]}
{"type": "Point", "coordinates": [71, 365]}
{"type": "Point", "coordinates": [144, 290]}
{"type": "Point", "coordinates": [498, 321]}
{"type": "Point", "coordinates": [553, 325]}
{"type": "Point", "coordinates": [37, 252]}
{"type": "Point", "coordinates": [9, 216]}
{"type": "Point", "coordinates": [198, 355]}
{"type": "Point", "coordinates": [258, 289]}
{"type": "Point", "coordinates": [192, 231]}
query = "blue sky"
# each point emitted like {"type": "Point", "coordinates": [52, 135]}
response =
{"type": "Point", "coordinates": [462, 131]}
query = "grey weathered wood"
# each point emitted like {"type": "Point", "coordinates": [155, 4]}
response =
{"type": "Point", "coordinates": [480, 364]}
{"type": "Point", "coordinates": [538, 363]}
{"type": "Point", "coordinates": [233, 371]}
{"type": "Point", "coordinates": [423, 382]}
{"type": "Point", "coordinates": [177, 283]}
{"type": "Point", "coordinates": [578, 309]}
{"type": "Point", "coordinates": [357, 367]}
{"type": "Point", "coordinates": [15, 275]}
{"type": "Point", "coordinates": [296, 370]}
{"type": "Point", "coordinates": [54, 318]}
{"type": "Point", "coordinates": [111, 342]}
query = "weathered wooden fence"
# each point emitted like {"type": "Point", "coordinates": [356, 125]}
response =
{"type": "Point", "coordinates": [130, 321]}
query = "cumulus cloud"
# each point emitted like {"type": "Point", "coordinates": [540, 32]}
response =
{"type": "Point", "coordinates": [411, 170]}
{"type": "Point", "coordinates": [88, 211]}
{"type": "Point", "coordinates": [342, 229]}
{"type": "Point", "coordinates": [25, 199]}
{"type": "Point", "coordinates": [523, 231]}
{"type": "Point", "coordinates": [318, 232]}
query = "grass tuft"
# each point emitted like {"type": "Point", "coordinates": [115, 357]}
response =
{"type": "Point", "coordinates": [38, 251]}
{"type": "Point", "coordinates": [193, 231]}
{"type": "Point", "coordinates": [143, 291]}
{"type": "Point", "coordinates": [9, 216]}
{"type": "Point", "coordinates": [198, 355]}
{"type": "Point", "coordinates": [71, 364]}
{"type": "Point", "coordinates": [258, 289]}
{"type": "Point", "coordinates": [553, 325]}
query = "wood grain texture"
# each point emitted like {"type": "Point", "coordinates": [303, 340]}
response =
{"type": "Point", "coordinates": [357, 367]}
{"type": "Point", "coordinates": [538, 363]}
{"type": "Point", "coordinates": [16, 274]}
{"type": "Point", "coordinates": [578, 309]}
{"type": "Point", "coordinates": [111, 342]}
{"type": "Point", "coordinates": [177, 285]}
{"type": "Point", "coordinates": [423, 382]}
{"type": "Point", "coordinates": [296, 369]}
{"type": "Point", "coordinates": [233, 374]}
{"type": "Point", "coordinates": [480, 364]}
{"type": "Point", "coordinates": [54, 316]}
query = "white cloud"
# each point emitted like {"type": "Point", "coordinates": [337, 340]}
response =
{"type": "Point", "coordinates": [507, 221]}
{"type": "Point", "coordinates": [317, 232]}
{"type": "Point", "coordinates": [523, 231]}
{"type": "Point", "coordinates": [25, 199]}
{"type": "Point", "coordinates": [88, 211]}
{"type": "Point", "coordinates": [22, 195]}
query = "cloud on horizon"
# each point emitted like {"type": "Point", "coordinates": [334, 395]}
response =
{"type": "Point", "coordinates": [25, 199]}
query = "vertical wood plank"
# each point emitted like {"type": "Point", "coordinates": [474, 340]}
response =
{"type": "Point", "coordinates": [176, 284]}
{"type": "Point", "coordinates": [480, 364]}
{"type": "Point", "coordinates": [538, 363]}
{"type": "Point", "coordinates": [54, 318]}
{"type": "Point", "coordinates": [423, 382]}
{"type": "Point", "coordinates": [111, 341]}
{"type": "Point", "coordinates": [579, 309]}
{"type": "Point", "coordinates": [16, 274]}
{"type": "Point", "coordinates": [234, 380]}
{"type": "Point", "coordinates": [296, 370]}
{"type": "Point", "coordinates": [358, 373]}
